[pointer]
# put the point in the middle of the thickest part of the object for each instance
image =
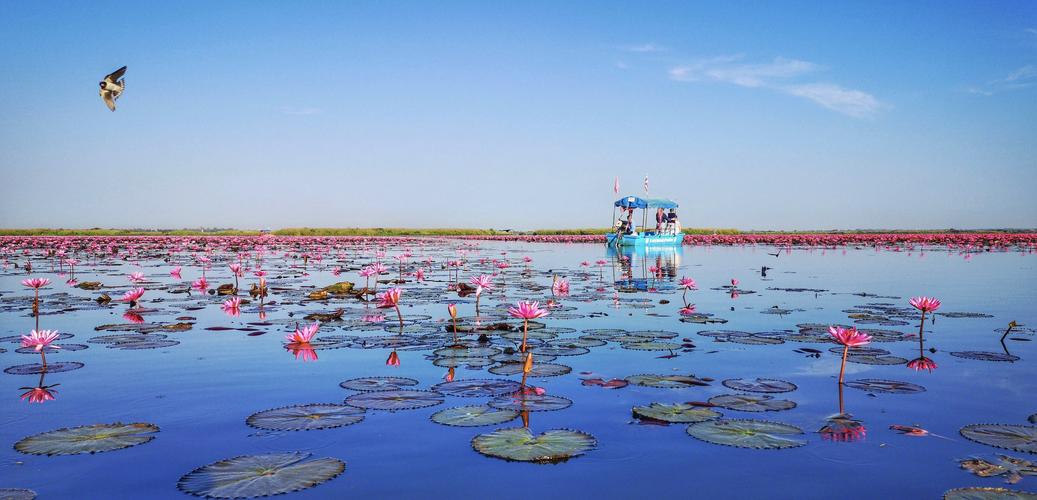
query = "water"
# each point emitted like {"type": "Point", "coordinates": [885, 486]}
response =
{"type": "Point", "coordinates": [200, 391]}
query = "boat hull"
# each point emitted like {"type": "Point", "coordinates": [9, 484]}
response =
{"type": "Point", "coordinates": [644, 240]}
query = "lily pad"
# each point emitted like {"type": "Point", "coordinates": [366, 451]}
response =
{"type": "Point", "coordinates": [985, 356]}
{"type": "Point", "coordinates": [94, 438]}
{"type": "Point", "coordinates": [675, 413]}
{"type": "Point", "coordinates": [38, 368]}
{"type": "Point", "coordinates": [520, 444]}
{"type": "Point", "coordinates": [667, 381]}
{"type": "Point", "coordinates": [651, 346]}
{"type": "Point", "coordinates": [886, 386]}
{"type": "Point", "coordinates": [539, 369]}
{"type": "Point", "coordinates": [767, 385]}
{"type": "Point", "coordinates": [744, 433]}
{"type": "Point", "coordinates": [984, 493]}
{"type": "Point", "coordinates": [260, 475]}
{"type": "Point", "coordinates": [1021, 438]}
{"type": "Point", "coordinates": [306, 417]}
{"type": "Point", "coordinates": [473, 416]}
{"type": "Point", "coordinates": [370, 384]}
{"type": "Point", "coordinates": [16, 494]}
{"type": "Point", "coordinates": [477, 388]}
{"type": "Point", "coordinates": [1013, 469]}
{"type": "Point", "coordinates": [395, 400]}
{"type": "Point", "coordinates": [749, 402]}
{"type": "Point", "coordinates": [531, 402]}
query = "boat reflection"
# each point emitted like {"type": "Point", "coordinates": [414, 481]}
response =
{"type": "Point", "coordinates": [644, 268]}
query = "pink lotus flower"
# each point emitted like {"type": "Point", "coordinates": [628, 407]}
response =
{"type": "Point", "coordinates": [235, 268]}
{"type": "Point", "coordinates": [925, 304]}
{"type": "Point", "coordinates": [688, 283]}
{"type": "Point", "coordinates": [175, 272]}
{"type": "Point", "coordinates": [136, 277]}
{"type": "Point", "coordinates": [560, 287]}
{"type": "Point", "coordinates": [849, 337]}
{"type": "Point", "coordinates": [39, 394]}
{"type": "Point", "coordinates": [391, 299]}
{"type": "Point", "coordinates": [132, 296]}
{"type": "Point", "coordinates": [232, 306]}
{"type": "Point", "coordinates": [482, 282]}
{"type": "Point", "coordinates": [303, 335]}
{"type": "Point", "coordinates": [922, 363]}
{"type": "Point", "coordinates": [526, 311]}
{"type": "Point", "coordinates": [35, 283]}
{"type": "Point", "coordinates": [734, 282]}
{"type": "Point", "coordinates": [40, 339]}
{"type": "Point", "coordinates": [200, 284]}
{"type": "Point", "coordinates": [419, 274]}
{"type": "Point", "coordinates": [337, 271]}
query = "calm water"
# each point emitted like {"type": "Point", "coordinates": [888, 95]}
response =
{"type": "Point", "coordinates": [200, 391]}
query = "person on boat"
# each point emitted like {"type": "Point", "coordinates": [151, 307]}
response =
{"type": "Point", "coordinates": [673, 225]}
{"type": "Point", "coordinates": [660, 219]}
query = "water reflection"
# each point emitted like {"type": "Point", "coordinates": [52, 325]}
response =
{"type": "Point", "coordinates": [41, 393]}
{"type": "Point", "coordinates": [643, 269]}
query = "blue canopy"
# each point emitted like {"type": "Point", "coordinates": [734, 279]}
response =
{"type": "Point", "coordinates": [638, 202]}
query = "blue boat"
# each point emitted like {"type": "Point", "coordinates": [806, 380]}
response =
{"type": "Point", "coordinates": [626, 233]}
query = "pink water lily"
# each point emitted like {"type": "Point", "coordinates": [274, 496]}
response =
{"type": "Point", "coordinates": [39, 340]}
{"type": "Point", "coordinates": [848, 337]}
{"type": "Point", "coordinates": [175, 272]}
{"type": "Point", "coordinates": [925, 304]}
{"type": "Point", "coordinates": [304, 334]}
{"type": "Point", "coordinates": [232, 306]}
{"type": "Point", "coordinates": [560, 287]}
{"type": "Point", "coordinates": [136, 277]}
{"type": "Point", "coordinates": [200, 284]}
{"type": "Point", "coordinates": [687, 284]}
{"type": "Point", "coordinates": [526, 311]}
{"type": "Point", "coordinates": [132, 296]}
{"type": "Point", "coordinates": [36, 284]}
{"type": "Point", "coordinates": [391, 299]}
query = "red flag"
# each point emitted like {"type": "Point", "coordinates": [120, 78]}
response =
{"type": "Point", "coordinates": [615, 186]}
{"type": "Point", "coordinates": [646, 184]}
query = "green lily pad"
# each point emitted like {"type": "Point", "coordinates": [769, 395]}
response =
{"type": "Point", "coordinates": [560, 349]}
{"type": "Point", "coordinates": [866, 359]}
{"type": "Point", "coordinates": [370, 384]}
{"type": "Point", "coordinates": [520, 444]}
{"type": "Point", "coordinates": [743, 433]}
{"type": "Point", "coordinates": [667, 381]}
{"type": "Point", "coordinates": [539, 369]}
{"type": "Point", "coordinates": [676, 413]}
{"type": "Point", "coordinates": [395, 400]}
{"type": "Point", "coordinates": [1021, 438]}
{"type": "Point", "coordinates": [38, 368]}
{"type": "Point", "coordinates": [767, 385]}
{"type": "Point", "coordinates": [985, 356]}
{"type": "Point", "coordinates": [94, 438]}
{"type": "Point", "coordinates": [466, 352]}
{"type": "Point", "coordinates": [260, 475]}
{"type": "Point", "coordinates": [477, 388]}
{"type": "Point", "coordinates": [1013, 469]}
{"type": "Point", "coordinates": [651, 346]}
{"type": "Point", "coordinates": [983, 493]}
{"type": "Point", "coordinates": [306, 417]}
{"type": "Point", "coordinates": [473, 416]}
{"type": "Point", "coordinates": [887, 386]}
{"type": "Point", "coordinates": [751, 402]}
{"type": "Point", "coordinates": [16, 494]}
{"type": "Point", "coordinates": [531, 402]}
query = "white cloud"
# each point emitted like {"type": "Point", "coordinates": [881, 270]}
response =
{"type": "Point", "coordinates": [780, 75]}
{"type": "Point", "coordinates": [645, 48]}
{"type": "Point", "coordinates": [1021, 78]}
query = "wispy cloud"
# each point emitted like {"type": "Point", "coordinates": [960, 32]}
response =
{"type": "Point", "coordinates": [1021, 78]}
{"type": "Point", "coordinates": [300, 111]}
{"type": "Point", "coordinates": [782, 75]}
{"type": "Point", "coordinates": [645, 48]}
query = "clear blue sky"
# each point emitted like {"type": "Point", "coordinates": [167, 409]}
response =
{"type": "Point", "coordinates": [769, 114]}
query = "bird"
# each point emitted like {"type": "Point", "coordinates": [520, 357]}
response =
{"type": "Point", "coordinates": [775, 254]}
{"type": "Point", "coordinates": [112, 87]}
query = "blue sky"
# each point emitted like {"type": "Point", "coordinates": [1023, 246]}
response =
{"type": "Point", "coordinates": [755, 115]}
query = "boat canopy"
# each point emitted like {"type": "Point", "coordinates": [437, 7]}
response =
{"type": "Point", "coordinates": [638, 202]}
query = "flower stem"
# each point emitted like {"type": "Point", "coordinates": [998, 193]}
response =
{"type": "Point", "coordinates": [842, 367]}
{"type": "Point", "coordinates": [525, 331]}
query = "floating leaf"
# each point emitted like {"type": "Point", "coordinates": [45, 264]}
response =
{"type": "Point", "coordinates": [742, 433]}
{"type": "Point", "coordinates": [651, 346]}
{"type": "Point", "coordinates": [667, 381]}
{"type": "Point", "coordinates": [531, 402]}
{"type": "Point", "coordinates": [16, 494]}
{"type": "Point", "coordinates": [887, 386]}
{"type": "Point", "coordinates": [260, 475]}
{"type": "Point", "coordinates": [1021, 438]}
{"type": "Point", "coordinates": [675, 413]}
{"type": "Point", "coordinates": [982, 493]}
{"type": "Point", "coordinates": [369, 384]}
{"type": "Point", "coordinates": [985, 356]}
{"type": "Point", "coordinates": [38, 368]}
{"type": "Point", "coordinates": [876, 360]}
{"type": "Point", "coordinates": [748, 402]}
{"type": "Point", "coordinates": [395, 400]}
{"type": "Point", "coordinates": [1013, 469]}
{"type": "Point", "coordinates": [306, 417]}
{"type": "Point", "coordinates": [768, 385]}
{"type": "Point", "coordinates": [477, 388]}
{"type": "Point", "coordinates": [94, 438]}
{"type": "Point", "coordinates": [522, 445]}
{"type": "Point", "coordinates": [539, 369]}
{"type": "Point", "coordinates": [473, 416]}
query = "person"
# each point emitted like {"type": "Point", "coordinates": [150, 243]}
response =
{"type": "Point", "coordinates": [672, 224]}
{"type": "Point", "coordinates": [660, 219]}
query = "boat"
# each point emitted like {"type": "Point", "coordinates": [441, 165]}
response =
{"type": "Point", "coordinates": [626, 233]}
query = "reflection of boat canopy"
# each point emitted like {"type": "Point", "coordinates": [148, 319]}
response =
{"type": "Point", "coordinates": [644, 237]}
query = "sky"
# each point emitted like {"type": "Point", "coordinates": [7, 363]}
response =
{"type": "Point", "coordinates": [519, 115]}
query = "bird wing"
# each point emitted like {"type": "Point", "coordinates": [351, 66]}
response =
{"type": "Point", "coordinates": [108, 101]}
{"type": "Point", "coordinates": [116, 75]}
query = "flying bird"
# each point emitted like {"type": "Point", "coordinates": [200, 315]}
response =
{"type": "Point", "coordinates": [112, 87]}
